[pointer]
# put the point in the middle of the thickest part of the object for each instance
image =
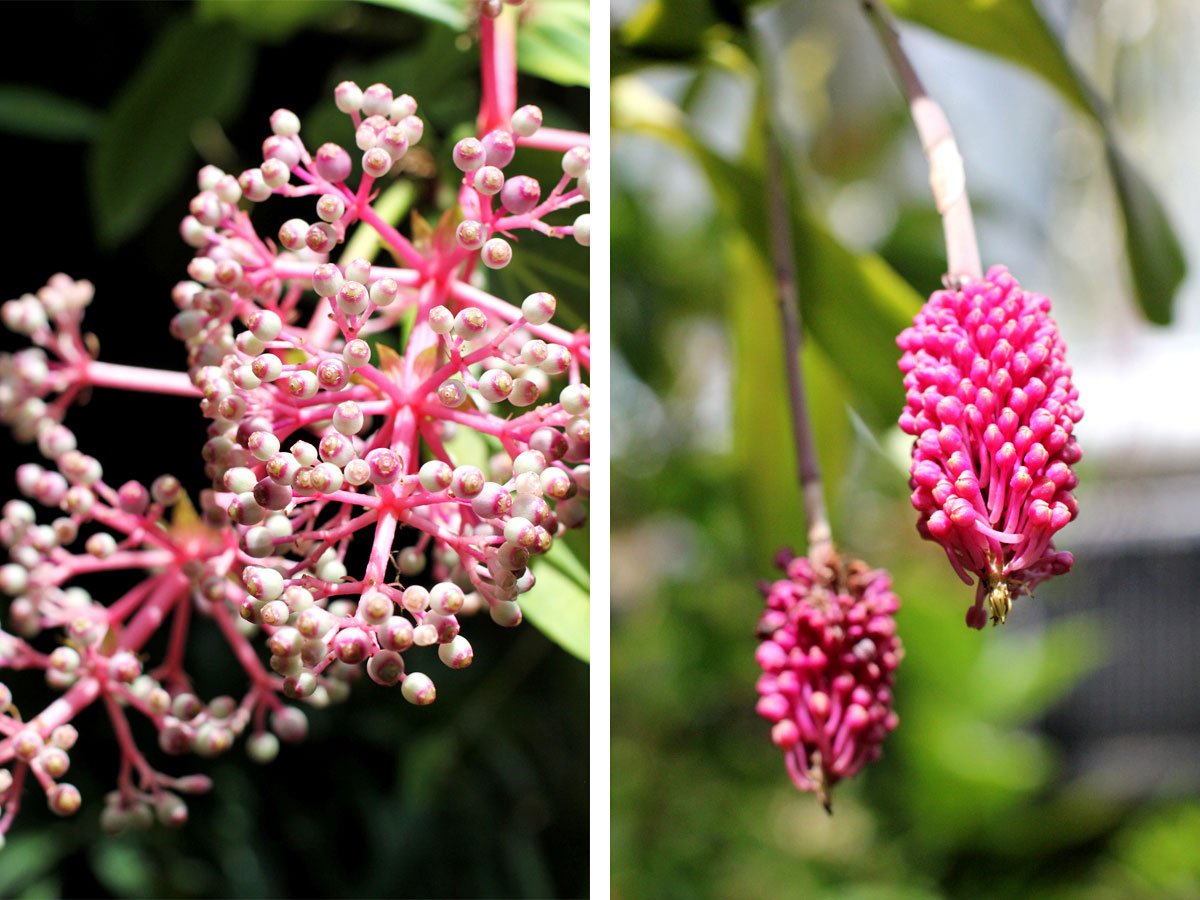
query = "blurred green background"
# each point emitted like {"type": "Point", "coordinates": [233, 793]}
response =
{"type": "Point", "coordinates": [485, 792]}
{"type": "Point", "coordinates": [1058, 756]}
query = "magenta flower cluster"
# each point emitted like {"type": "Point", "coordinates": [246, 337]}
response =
{"type": "Point", "coordinates": [992, 407]}
{"type": "Point", "coordinates": [448, 461]}
{"type": "Point", "coordinates": [829, 653]}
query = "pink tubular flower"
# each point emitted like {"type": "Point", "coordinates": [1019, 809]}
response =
{"type": "Point", "coordinates": [992, 407]}
{"type": "Point", "coordinates": [829, 653]}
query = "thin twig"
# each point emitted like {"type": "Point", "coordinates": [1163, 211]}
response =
{"type": "Point", "coordinates": [819, 535]}
{"type": "Point", "coordinates": [946, 176]}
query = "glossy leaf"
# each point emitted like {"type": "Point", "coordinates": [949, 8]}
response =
{"type": "Point", "coordinates": [43, 114]}
{"type": "Point", "coordinates": [194, 72]}
{"type": "Point", "coordinates": [1012, 29]}
{"type": "Point", "coordinates": [1156, 258]}
{"type": "Point", "coordinates": [552, 42]}
{"type": "Point", "coordinates": [763, 446]}
{"type": "Point", "coordinates": [559, 604]}
{"type": "Point", "coordinates": [446, 12]}
{"type": "Point", "coordinates": [29, 857]}
{"type": "Point", "coordinates": [267, 20]}
{"type": "Point", "coordinates": [668, 28]}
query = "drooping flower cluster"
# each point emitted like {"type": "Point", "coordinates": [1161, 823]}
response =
{"type": "Point", "coordinates": [993, 410]}
{"type": "Point", "coordinates": [829, 653]}
{"type": "Point", "coordinates": [404, 416]}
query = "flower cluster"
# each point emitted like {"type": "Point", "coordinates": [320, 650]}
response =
{"type": "Point", "coordinates": [316, 435]}
{"type": "Point", "coordinates": [993, 410]}
{"type": "Point", "coordinates": [829, 653]}
{"type": "Point", "coordinates": [388, 448]}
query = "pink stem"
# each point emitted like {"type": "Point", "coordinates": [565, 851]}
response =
{"type": "Point", "coordinates": [555, 139]}
{"type": "Point", "coordinates": [136, 378]}
{"type": "Point", "coordinates": [498, 71]}
{"type": "Point", "coordinates": [172, 588]}
{"type": "Point", "coordinates": [385, 533]}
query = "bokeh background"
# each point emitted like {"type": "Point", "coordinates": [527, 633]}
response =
{"type": "Point", "coordinates": [106, 112]}
{"type": "Point", "coordinates": [1058, 756]}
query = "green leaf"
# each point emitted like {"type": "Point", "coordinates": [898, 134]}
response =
{"type": "Point", "coordinates": [447, 12]}
{"type": "Point", "coordinates": [552, 42]}
{"type": "Point", "coordinates": [29, 857]}
{"type": "Point", "coordinates": [38, 113]}
{"type": "Point", "coordinates": [267, 20]}
{"type": "Point", "coordinates": [763, 447]}
{"type": "Point", "coordinates": [49, 888]}
{"type": "Point", "coordinates": [561, 558]}
{"type": "Point", "coordinates": [1040, 668]}
{"type": "Point", "coordinates": [1012, 29]}
{"type": "Point", "coordinates": [1156, 258]}
{"type": "Point", "coordinates": [469, 447]}
{"type": "Point", "coordinates": [668, 28]}
{"type": "Point", "coordinates": [122, 867]}
{"type": "Point", "coordinates": [194, 72]}
{"type": "Point", "coordinates": [559, 605]}
{"type": "Point", "coordinates": [854, 304]}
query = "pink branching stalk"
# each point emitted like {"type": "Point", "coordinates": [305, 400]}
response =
{"type": "Point", "coordinates": [993, 410]}
{"type": "Point", "coordinates": [348, 466]}
{"type": "Point", "coordinates": [829, 653]}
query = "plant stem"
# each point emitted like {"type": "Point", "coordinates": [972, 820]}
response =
{"type": "Point", "coordinates": [946, 176]}
{"type": "Point", "coordinates": [819, 535]}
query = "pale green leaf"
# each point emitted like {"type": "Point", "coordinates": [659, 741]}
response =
{"type": "Point", "coordinates": [267, 20]}
{"type": "Point", "coordinates": [1156, 259]}
{"type": "Point", "coordinates": [559, 604]}
{"type": "Point", "coordinates": [447, 12]}
{"type": "Point", "coordinates": [552, 42]}
{"type": "Point", "coordinates": [1012, 29]}
{"type": "Point", "coordinates": [39, 113]}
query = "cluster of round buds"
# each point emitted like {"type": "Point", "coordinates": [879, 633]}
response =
{"type": "Point", "coordinates": [29, 378]}
{"type": "Point", "coordinates": [495, 203]}
{"type": "Point", "coordinates": [993, 410]}
{"type": "Point", "coordinates": [97, 648]}
{"type": "Point", "coordinates": [320, 437]}
{"type": "Point", "coordinates": [28, 749]}
{"type": "Point", "coordinates": [829, 654]}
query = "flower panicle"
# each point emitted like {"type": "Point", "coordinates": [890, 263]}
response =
{"type": "Point", "coordinates": [829, 653]}
{"type": "Point", "coordinates": [992, 407]}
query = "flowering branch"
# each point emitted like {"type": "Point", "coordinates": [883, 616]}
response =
{"type": "Point", "coordinates": [317, 441]}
